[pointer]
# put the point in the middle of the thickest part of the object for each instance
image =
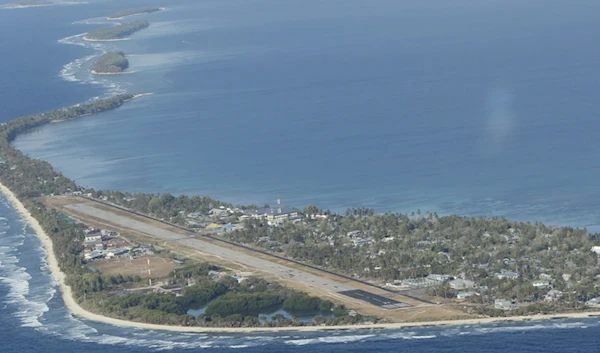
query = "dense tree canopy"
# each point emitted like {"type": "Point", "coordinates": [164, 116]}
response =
{"type": "Point", "coordinates": [130, 12]}
{"type": "Point", "coordinates": [114, 62]}
{"type": "Point", "coordinates": [117, 32]}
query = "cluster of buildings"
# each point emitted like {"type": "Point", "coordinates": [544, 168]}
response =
{"type": "Point", "coordinates": [432, 280]}
{"type": "Point", "coordinates": [359, 238]}
{"type": "Point", "coordinates": [467, 288]}
{"type": "Point", "coordinates": [102, 243]}
{"type": "Point", "coordinates": [222, 274]}
{"type": "Point", "coordinates": [223, 219]}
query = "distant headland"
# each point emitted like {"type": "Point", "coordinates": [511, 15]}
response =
{"type": "Point", "coordinates": [110, 63]}
{"type": "Point", "coordinates": [130, 12]}
{"type": "Point", "coordinates": [118, 32]}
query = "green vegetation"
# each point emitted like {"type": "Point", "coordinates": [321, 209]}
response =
{"type": "Point", "coordinates": [111, 63]}
{"type": "Point", "coordinates": [230, 303]}
{"type": "Point", "coordinates": [242, 303]}
{"type": "Point", "coordinates": [391, 246]}
{"type": "Point", "coordinates": [162, 206]}
{"type": "Point", "coordinates": [130, 12]}
{"type": "Point", "coordinates": [202, 292]}
{"type": "Point", "coordinates": [303, 302]}
{"type": "Point", "coordinates": [117, 32]}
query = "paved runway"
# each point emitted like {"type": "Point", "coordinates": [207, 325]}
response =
{"type": "Point", "coordinates": [375, 299]}
{"type": "Point", "coordinates": [208, 248]}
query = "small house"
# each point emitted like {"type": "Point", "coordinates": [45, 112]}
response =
{"type": "Point", "coordinates": [507, 274]}
{"type": "Point", "coordinates": [593, 302]}
{"type": "Point", "coordinates": [92, 238]}
{"type": "Point", "coordinates": [464, 295]}
{"type": "Point", "coordinates": [461, 284]}
{"type": "Point", "coordinates": [504, 304]}
{"type": "Point", "coordinates": [553, 295]}
{"type": "Point", "coordinates": [541, 283]}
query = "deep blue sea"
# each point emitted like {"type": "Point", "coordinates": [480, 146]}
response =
{"type": "Point", "coordinates": [465, 106]}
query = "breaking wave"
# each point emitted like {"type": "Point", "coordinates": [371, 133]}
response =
{"type": "Point", "coordinates": [78, 70]}
{"type": "Point", "coordinates": [16, 273]}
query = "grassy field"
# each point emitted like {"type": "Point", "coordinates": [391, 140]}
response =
{"type": "Point", "coordinates": [159, 266]}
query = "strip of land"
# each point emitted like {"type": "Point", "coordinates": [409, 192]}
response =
{"type": "Point", "coordinates": [125, 13]}
{"type": "Point", "coordinates": [118, 32]}
{"type": "Point", "coordinates": [76, 309]}
{"type": "Point", "coordinates": [375, 301]}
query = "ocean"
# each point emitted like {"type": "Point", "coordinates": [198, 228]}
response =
{"type": "Point", "coordinates": [469, 107]}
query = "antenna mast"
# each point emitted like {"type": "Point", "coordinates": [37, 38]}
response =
{"type": "Point", "coordinates": [149, 273]}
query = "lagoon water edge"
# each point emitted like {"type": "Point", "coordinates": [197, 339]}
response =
{"type": "Point", "coordinates": [347, 105]}
{"type": "Point", "coordinates": [351, 105]}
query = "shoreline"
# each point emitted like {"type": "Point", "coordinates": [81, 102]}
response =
{"type": "Point", "coordinates": [135, 96]}
{"type": "Point", "coordinates": [18, 6]}
{"type": "Point", "coordinates": [140, 95]}
{"type": "Point", "coordinates": [104, 40]}
{"type": "Point", "coordinates": [134, 14]}
{"type": "Point", "coordinates": [73, 306]}
{"type": "Point", "coordinates": [93, 72]}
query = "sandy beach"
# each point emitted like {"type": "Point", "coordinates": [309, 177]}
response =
{"type": "Point", "coordinates": [18, 6]}
{"type": "Point", "coordinates": [77, 310]}
{"type": "Point", "coordinates": [140, 95]}
{"type": "Point", "coordinates": [111, 73]}
{"type": "Point", "coordinates": [133, 14]}
{"type": "Point", "coordinates": [104, 40]}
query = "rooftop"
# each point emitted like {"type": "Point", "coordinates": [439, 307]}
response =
{"type": "Point", "coordinates": [275, 211]}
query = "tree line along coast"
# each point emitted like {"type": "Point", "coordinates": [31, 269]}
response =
{"type": "Point", "coordinates": [39, 3]}
{"type": "Point", "coordinates": [130, 12]}
{"type": "Point", "coordinates": [117, 32]}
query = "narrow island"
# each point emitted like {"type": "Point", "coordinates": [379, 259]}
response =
{"type": "Point", "coordinates": [130, 12]}
{"type": "Point", "coordinates": [37, 3]}
{"type": "Point", "coordinates": [110, 64]}
{"type": "Point", "coordinates": [34, 3]}
{"type": "Point", "coordinates": [118, 32]}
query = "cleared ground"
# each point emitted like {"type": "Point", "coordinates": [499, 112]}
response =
{"type": "Point", "coordinates": [215, 250]}
{"type": "Point", "coordinates": [159, 267]}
